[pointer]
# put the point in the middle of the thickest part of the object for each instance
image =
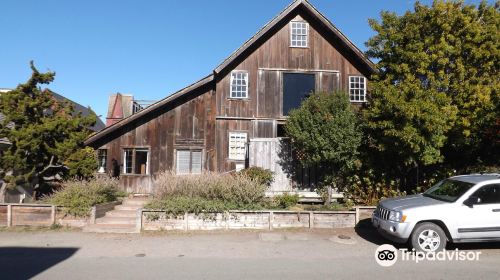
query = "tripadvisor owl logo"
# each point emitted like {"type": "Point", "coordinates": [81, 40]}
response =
{"type": "Point", "coordinates": [386, 255]}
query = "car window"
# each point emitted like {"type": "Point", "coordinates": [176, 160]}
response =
{"type": "Point", "coordinates": [448, 190]}
{"type": "Point", "coordinates": [489, 194]}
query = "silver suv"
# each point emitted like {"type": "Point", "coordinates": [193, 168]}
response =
{"type": "Point", "coordinates": [458, 209]}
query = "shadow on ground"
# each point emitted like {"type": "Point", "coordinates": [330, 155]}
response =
{"type": "Point", "coordinates": [365, 230]}
{"type": "Point", "coordinates": [27, 262]}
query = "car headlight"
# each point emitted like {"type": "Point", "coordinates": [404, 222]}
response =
{"type": "Point", "coordinates": [397, 216]}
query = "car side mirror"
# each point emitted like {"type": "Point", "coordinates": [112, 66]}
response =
{"type": "Point", "coordinates": [472, 200]}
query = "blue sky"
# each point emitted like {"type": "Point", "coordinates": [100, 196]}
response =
{"type": "Point", "coordinates": [149, 48]}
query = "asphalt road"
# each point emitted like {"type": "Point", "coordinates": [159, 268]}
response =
{"type": "Point", "coordinates": [287, 255]}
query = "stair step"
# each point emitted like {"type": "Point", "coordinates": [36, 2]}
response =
{"type": "Point", "coordinates": [127, 207]}
{"type": "Point", "coordinates": [116, 220]}
{"type": "Point", "coordinates": [132, 202]}
{"type": "Point", "coordinates": [121, 213]}
{"type": "Point", "coordinates": [106, 228]}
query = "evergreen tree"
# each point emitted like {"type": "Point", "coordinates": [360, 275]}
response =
{"type": "Point", "coordinates": [44, 134]}
{"type": "Point", "coordinates": [435, 98]}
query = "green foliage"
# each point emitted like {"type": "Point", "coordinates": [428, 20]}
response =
{"type": "Point", "coordinates": [78, 196]}
{"type": "Point", "coordinates": [286, 200]}
{"type": "Point", "coordinates": [263, 176]}
{"type": "Point", "coordinates": [176, 206]}
{"type": "Point", "coordinates": [325, 131]}
{"type": "Point", "coordinates": [368, 189]}
{"type": "Point", "coordinates": [43, 132]}
{"type": "Point", "coordinates": [435, 98]}
{"type": "Point", "coordinates": [207, 192]}
{"type": "Point", "coordinates": [82, 163]}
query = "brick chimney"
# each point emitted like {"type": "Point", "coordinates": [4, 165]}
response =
{"type": "Point", "coordinates": [119, 107]}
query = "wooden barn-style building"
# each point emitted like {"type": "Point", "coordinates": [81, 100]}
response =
{"type": "Point", "coordinates": [233, 118]}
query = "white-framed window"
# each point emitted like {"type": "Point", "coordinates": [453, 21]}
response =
{"type": "Point", "coordinates": [299, 33]}
{"type": "Point", "coordinates": [188, 162]}
{"type": "Point", "coordinates": [136, 161]}
{"type": "Point", "coordinates": [102, 157]}
{"type": "Point", "coordinates": [239, 84]}
{"type": "Point", "coordinates": [357, 88]}
{"type": "Point", "coordinates": [237, 145]}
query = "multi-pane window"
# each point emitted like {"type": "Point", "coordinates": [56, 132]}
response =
{"type": "Point", "coordinates": [102, 156]}
{"type": "Point", "coordinates": [237, 145]}
{"type": "Point", "coordinates": [239, 84]}
{"type": "Point", "coordinates": [298, 34]}
{"type": "Point", "coordinates": [135, 161]}
{"type": "Point", "coordinates": [189, 161]}
{"type": "Point", "coordinates": [357, 89]}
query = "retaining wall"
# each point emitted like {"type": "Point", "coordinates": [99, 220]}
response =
{"type": "Point", "coordinates": [158, 220]}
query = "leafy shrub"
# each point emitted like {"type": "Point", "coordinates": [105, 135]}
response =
{"type": "Point", "coordinates": [209, 192]}
{"type": "Point", "coordinates": [286, 200]}
{"type": "Point", "coordinates": [261, 175]}
{"type": "Point", "coordinates": [368, 190]}
{"type": "Point", "coordinates": [78, 196]}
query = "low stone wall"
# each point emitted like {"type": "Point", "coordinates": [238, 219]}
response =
{"type": "Point", "coordinates": [23, 214]}
{"type": "Point", "coordinates": [364, 212]}
{"type": "Point", "coordinates": [158, 220]}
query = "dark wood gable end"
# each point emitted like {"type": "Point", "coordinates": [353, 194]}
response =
{"type": "Point", "coordinates": [210, 124]}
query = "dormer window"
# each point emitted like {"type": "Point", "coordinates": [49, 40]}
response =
{"type": "Point", "coordinates": [239, 84]}
{"type": "Point", "coordinates": [299, 33]}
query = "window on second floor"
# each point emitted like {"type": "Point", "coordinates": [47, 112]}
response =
{"type": "Point", "coordinates": [357, 89]}
{"type": "Point", "coordinates": [239, 84]}
{"type": "Point", "coordinates": [299, 33]}
{"type": "Point", "coordinates": [136, 161]}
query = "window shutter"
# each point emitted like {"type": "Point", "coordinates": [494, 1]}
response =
{"type": "Point", "coordinates": [183, 158]}
{"type": "Point", "coordinates": [196, 162]}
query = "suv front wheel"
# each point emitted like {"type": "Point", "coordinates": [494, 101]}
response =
{"type": "Point", "coordinates": [428, 237]}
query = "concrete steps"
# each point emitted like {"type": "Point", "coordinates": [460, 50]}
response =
{"type": "Point", "coordinates": [122, 219]}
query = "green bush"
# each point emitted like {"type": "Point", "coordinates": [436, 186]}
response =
{"type": "Point", "coordinates": [78, 196]}
{"type": "Point", "coordinates": [210, 192]}
{"type": "Point", "coordinates": [261, 175]}
{"type": "Point", "coordinates": [367, 189]}
{"type": "Point", "coordinates": [286, 200]}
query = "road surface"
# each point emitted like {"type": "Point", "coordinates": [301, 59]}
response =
{"type": "Point", "coordinates": [325, 254]}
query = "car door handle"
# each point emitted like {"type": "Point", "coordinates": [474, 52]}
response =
{"type": "Point", "coordinates": [496, 210]}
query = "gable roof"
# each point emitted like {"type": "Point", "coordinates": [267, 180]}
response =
{"type": "Point", "coordinates": [240, 53]}
{"type": "Point", "coordinates": [148, 110]}
{"type": "Point", "coordinates": [294, 6]}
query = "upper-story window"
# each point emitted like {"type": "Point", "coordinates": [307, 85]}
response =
{"type": "Point", "coordinates": [357, 89]}
{"type": "Point", "coordinates": [239, 84]}
{"type": "Point", "coordinates": [299, 33]}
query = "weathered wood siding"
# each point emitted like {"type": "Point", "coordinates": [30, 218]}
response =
{"type": "Point", "coordinates": [259, 114]}
{"type": "Point", "coordinates": [188, 125]}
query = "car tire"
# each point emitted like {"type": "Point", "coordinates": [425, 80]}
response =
{"type": "Point", "coordinates": [428, 237]}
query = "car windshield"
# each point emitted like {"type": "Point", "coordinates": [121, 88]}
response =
{"type": "Point", "coordinates": [448, 190]}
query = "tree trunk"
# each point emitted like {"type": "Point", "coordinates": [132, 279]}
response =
{"type": "Point", "coordinates": [3, 191]}
{"type": "Point", "coordinates": [329, 198]}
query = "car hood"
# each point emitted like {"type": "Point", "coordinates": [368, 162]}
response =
{"type": "Point", "coordinates": [410, 201]}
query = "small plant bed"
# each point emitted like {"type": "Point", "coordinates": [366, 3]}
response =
{"type": "Point", "coordinates": [77, 197]}
{"type": "Point", "coordinates": [216, 193]}
{"type": "Point", "coordinates": [209, 193]}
